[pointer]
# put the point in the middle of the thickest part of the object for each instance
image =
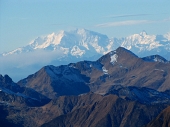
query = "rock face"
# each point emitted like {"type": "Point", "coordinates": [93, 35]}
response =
{"type": "Point", "coordinates": [162, 120]}
{"type": "Point", "coordinates": [117, 90]}
{"type": "Point", "coordinates": [108, 111]}
{"type": "Point", "coordinates": [56, 81]}
{"type": "Point", "coordinates": [12, 93]}
{"type": "Point", "coordinates": [143, 95]}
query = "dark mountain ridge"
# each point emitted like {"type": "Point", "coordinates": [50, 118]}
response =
{"type": "Point", "coordinates": [12, 93]}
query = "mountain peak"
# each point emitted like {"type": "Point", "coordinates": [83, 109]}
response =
{"type": "Point", "coordinates": [155, 58]}
{"type": "Point", "coordinates": [119, 56]}
{"type": "Point", "coordinates": [5, 79]}
{"type": "Point", "coordinates": [143, 33]}
{"type": "Point", "coordinates": [81, 31]}
{"type": "Point", "coordinates": [124, 52]}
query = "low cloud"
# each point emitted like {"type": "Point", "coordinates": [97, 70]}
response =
{"type": "Point", "coordinates": [19, 66]}
{"type": "Point", "coordinates": [26, 59]}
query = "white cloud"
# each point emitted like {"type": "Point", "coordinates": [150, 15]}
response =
{"type": "Point", "coordinates": [131, 22]}
{"type": "Point", "coordinates": [124, 23]}
{"type": "Point", "coordinates": [127, 15]}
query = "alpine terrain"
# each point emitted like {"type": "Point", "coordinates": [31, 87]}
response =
{"type": "Point", "coordinates": [119, 89]}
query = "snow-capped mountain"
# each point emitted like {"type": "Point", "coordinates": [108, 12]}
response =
{"type": "Point", "coordinates": [143, 44]}
{"type": "Point", "coordinates": [76, 45]}
{"type": "Point", "coordinates": [81, 43]}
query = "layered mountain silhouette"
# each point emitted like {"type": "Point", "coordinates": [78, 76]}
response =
{"type": "Point", "coordinates": [119, 89]}
{"type": "Point", "coordinates": [119, 67]}
{"type": "Point", "coordinates": [76, 45]}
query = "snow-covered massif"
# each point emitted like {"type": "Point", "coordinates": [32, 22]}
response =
{"type": "Point", "coordinates": [72, 46]}
{"type": "Point", "coordinates": [78, 43]}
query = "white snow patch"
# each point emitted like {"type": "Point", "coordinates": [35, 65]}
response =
{"type": "Point", "coordinates": [72, 66]}
{"type": "Point", "coordinates": [65, 50]}
{"type": "Point", "coordinates": [51, 39]}
{"type": "Point", "coordinates": [16, 51]}
{"type": "Point", "coordinates": [95, 65]}
{"type": "Point", "coordinates": [158, 60]}
{"type": "Point", "coordinates": [76, 51]}
{"type": "Point", "coordinates": [105, 71]}
{"type": "Point", "coordinates": [167, 36]}
{"type": "Point", "coordinates": [7, 91]}
{"type": "Point", "coordinates": [159, 70]}
{"type": "Point", "coordinates": [113, 58]}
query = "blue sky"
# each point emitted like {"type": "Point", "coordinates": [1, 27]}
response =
{"type": "Point", "coordinates": [23, 20]}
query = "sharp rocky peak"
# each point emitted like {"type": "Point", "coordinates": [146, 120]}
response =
{"type": "Point", "coordinates": [5, 79]}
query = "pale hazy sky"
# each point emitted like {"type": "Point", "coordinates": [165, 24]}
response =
{"type": "Point", "coordinates": [23, 20]}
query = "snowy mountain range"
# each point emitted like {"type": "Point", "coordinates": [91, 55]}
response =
{"type": "Point", "coordinates": [80, 44]}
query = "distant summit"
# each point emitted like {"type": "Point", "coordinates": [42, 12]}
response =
{"type": "Point", "coordinates": [76, 43]}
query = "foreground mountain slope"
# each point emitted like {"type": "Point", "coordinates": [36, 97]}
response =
{"type": "Point", "coordinates": [36, 116]}
{"type": "Point", "coordinates": [86, 110]}
{"type": "Point", "coordinates": [110, 111]}
{"type": "Point", "coordinates": [162, 120]}
{"type": "Point", "coordinates": [141, 94]}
